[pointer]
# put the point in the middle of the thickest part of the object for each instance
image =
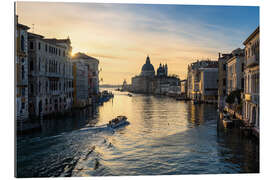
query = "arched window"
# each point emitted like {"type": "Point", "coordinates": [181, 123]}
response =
{"type": "Point", "coordinates": [22, 42]}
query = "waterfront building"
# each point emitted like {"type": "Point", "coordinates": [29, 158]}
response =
{"type": "Point", "coordinates": [144, 83]}
{"type": "Point", "coordinates": [126, 87]}
{"type": "Point", "coordinates": [251, 106]}
{"type": "Point", "coordinates": [148, 82]}
{"type": "Point", "coordinates": [93, 72]}
{"type": "Point", "coordinates": [50, 75]}
{"type": "Point", "coordinates": [87, 67]}
{"type": "Point", "coordinates": [222, 78]}
{"type": "Point", "coordinates": [235, 68]}
{"type": "Point", "coordinates": [208, 85]}
{"type": "Point", "coordinates": [80, 83]}
{"type": "Point", "coordinates": [21, 60]}
{"type": "Point", "coordinates": [183, 85]}
{"type": "Point", "coordinates": [194, 78]}
{"type": "Point", "coordinates": [148, 69]}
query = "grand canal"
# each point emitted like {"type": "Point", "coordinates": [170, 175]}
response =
{"type": "Point", "coordinates": [164, 137]}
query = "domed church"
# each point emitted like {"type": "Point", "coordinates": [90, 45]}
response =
{"type": "Point", "coordinates": [148, 69]}
{"type": "Point", "coordinates": [149, 82]}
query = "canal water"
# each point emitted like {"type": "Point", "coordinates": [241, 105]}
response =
{"type": "Point", "coordinates": [164, 136]}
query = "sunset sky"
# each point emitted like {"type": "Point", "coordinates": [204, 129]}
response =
{"type": "Point", "coordinates": [122, 35]}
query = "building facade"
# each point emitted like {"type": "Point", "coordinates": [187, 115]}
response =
{"type": "Point", "coordinates": [50, 75]}
{"type": "Point", "coordinates": [150, 83]}
{"type": "Point", "coordinates": [82, 60]}
{"type": "Point", "coordinates": [80, 84]}
{"type": "Point", "coordinates": [235, 68]}
{"type": "Point", "coordinates": [194, 77]}
{"type": "Point", "coordinates": [21, 60]}
{"type": "Point", "coordinates": [208, 88]}
{"type": "Point", "coordinates": [183, 87]}
{"type": "Point", "coordinates": [252, 78]}
{"type": "Point", "coordinates": [222, 79]}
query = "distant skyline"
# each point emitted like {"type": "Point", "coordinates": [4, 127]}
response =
{"type": "Point", "coordinates": [122, 35]}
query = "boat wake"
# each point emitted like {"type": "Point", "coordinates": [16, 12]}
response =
{"type": "Point", "coordinates": [97, 128]}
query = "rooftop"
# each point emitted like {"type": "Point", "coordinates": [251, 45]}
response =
{"type": "Point", "coordinates": [80, 55]}
{"type": "Point", "coordinates": [252, 35]}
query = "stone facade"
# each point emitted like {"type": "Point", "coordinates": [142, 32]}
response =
{"type": "Point", "coordinates": [81, 61]}
{"type": "Point", "coordinates": [21, 61]}
{"type": "Point", "coordinates": [194, 76]}
{"type": "Point", "coordinates": [208, 88]}
{"type": "Point", "coordinates": [222, 78]}
{"type": "Point", "coordinates": [80, 83]}
{"type": "Point", "coordinates": [50, 75]}
{"type": "Point", "coordinates": [149, 83]}
{"type": "Point", "coordinates": [251, 106]}
{"type": "Point", "coordinates": [235, 68]}
{"type": "Point", "coordinates": [183, 87]}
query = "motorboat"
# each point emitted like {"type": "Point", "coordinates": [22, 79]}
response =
{"type": "Point", "coordinates": [118, 121]}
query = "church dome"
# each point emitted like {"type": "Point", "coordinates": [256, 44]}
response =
{"type": "Point", "coordinates": [148, 69]}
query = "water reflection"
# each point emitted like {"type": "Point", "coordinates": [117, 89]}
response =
{"type": "Point", "coordinates": [164, 137]}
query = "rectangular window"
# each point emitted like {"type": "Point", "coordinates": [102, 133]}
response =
{"type": "Point", "coordinates": [23, 105]}
{"type": "Point", "coordinates": [23, 91]}
{"type": "Point", "coordinates": [31, 45]}
{"type": "Point", "coordinates": [242, 83]}
{"type": "Point", "coordinates": [46, 48]}
{"type": "Point", "coordinates": [224, 82]}
{"type": "Point", "coordinates": [39, 46]}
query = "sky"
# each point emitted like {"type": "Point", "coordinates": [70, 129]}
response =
{"type": "Point", "coordinates": [122, 35]}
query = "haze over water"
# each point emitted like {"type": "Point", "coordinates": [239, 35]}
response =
{"type": "Point", "coordinates": [164, 137]}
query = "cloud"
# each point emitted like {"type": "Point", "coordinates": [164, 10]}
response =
{"type": "Point", "coordinates": [121, 35]}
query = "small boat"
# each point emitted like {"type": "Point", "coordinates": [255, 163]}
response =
{"type": "Point", "coordinates": [118, 121]}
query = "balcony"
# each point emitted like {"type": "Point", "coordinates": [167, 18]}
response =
{"type": "Point", "coordinates": [252, 61]}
